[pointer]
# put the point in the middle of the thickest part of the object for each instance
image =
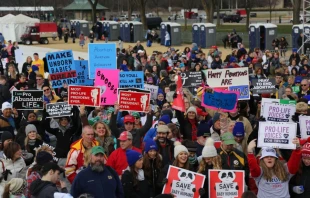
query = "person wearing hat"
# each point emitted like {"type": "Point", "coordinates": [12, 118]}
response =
{"type": "Point", "coordinates": [97, 179]}
{"type": "Point", "coordinates": [232, 63]}
{"type": "Point", "coordinates": [133, 178]}
{"type": "Point", "coordinates": [304, 91]}
{"type": "Point", "coordinates": [7, 121]}
{"type": "Point", "coordinates": [46, 186]}
{"type": "Point", "coordinates": [192, 157]}
{"type": "Point", "coordinates": [271, 176]}
{"type": "Point", "coordinates": [117, 159]}
{"type": "Point", "coordinates": [239, 115]}
{"type": "Point", "coordinates": [232, 159]}
{"type": "Point", "coordinates": [216, 63]}
{"type": "Point", "coordinates": [240, 137]}
{"type": "Point", "coordinates": [151, 134]}
{"type": "Point", "coordinates": [129, 122]}
{"type": "Point", "coordinates": [215, 129]}
{"type": "Point", "coordinates": [294, 56]}
{"type": "Point", "coordinates": [203, 134]}
{"type": "Point", "coordinates": [160, 98]}
{"type": "Point", "coordinates": [14, 188]}
{"type": "Point", "coordinates": [189, 123]}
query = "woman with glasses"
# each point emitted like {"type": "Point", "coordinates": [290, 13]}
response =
{"type": "Point", "coordinates": [48, 93]}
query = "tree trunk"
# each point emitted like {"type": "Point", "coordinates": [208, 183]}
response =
{"type": "Point", "coordinates": [209, 8]}
{"type": "Point", "coordinates": [129, 2]}
{"type": "Point", "coordinates": [218, 13]}
{"type": "Point", "coordinates": [142, 13]}
{"type": "Point", "coordinates": [247, 19]}
{"type": "Point", "coordinates": [296, 10]}
{"type": "Point", "coordinates": [93, 9]}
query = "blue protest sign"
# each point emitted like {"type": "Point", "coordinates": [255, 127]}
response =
{"type": "Point", "coordinates": [61, 67]}
{"type": "Point", "coordinates": [131, 79]}
{"type": "Point", "coordinates": [101, 56]}
{"type": "Point", "coordinates": [243, 90]}
{"type": "Point", "coordinates": [82, 73]}
{"type": "Point", "coordinates": [220, 99]}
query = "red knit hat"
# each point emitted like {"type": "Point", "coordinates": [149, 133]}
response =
{"type": "Point", "coordinates": [305, 151]}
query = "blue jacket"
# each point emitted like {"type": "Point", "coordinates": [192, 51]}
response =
{"type": "Point", "coordinates": [150, 134]}
{"type": "Point", "coordinates": [101, 185]}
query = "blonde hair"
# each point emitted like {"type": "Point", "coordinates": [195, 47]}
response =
{"type": "Point", "coordinates": [278, 170]}
{"type": "Point", "coordinates": [216, 162]}
{"type": "Point", "coordinates": [108, 131]}
{"type": "Point", "coordinates": [87, 157]}
{"type": "Point", "coordinates": [301, 107]}
{"type": "Point", "coordinates": [27, 138]}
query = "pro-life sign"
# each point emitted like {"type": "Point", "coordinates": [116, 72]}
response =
{"type": "Point", "coordinates": [264, 85]}
{"type": "Point", "coordinates": [58, 109]}
{"type": "Point", "coordinates": [137, 101]}
{"type": "Point", "coordinates": [304, 124]}
{"type": "Point", "coordinates": [278, 112]}
{"type": "Point", "coordinates": [84, 95]}
{"type": "Point", "coordinates": [28, 100]}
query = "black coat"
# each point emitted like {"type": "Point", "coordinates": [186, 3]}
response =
{"type": "Point", "coordinates": [185, 125]}
{"type": "Point", "coordinates": [21, 135]}
{"type": "Point", "coordinates": [141, 190]}
{"type": "Point", "coordinates": [5, 94]}
{"type": "Point", "coordinates": [301, 178]}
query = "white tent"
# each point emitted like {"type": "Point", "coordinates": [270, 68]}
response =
{"type": "Point", "coordinates": [5, 18]}
{"type": "Point", "coordinates": [13, 28]}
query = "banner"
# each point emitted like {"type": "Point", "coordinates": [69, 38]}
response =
{"type": "Point", "coordinates": [181, 183]}
{"type": "Point", "coordinates": [226, 183]}
{"type": "Point", "coordinates": [227, 77]}
{"type": "Point", "coordinates": [278, 112]}
{"type": "Point", "coordinates": [107, 81]}
{"type": "Point", "coordinates": [276, 101]}
{"type": "Point", "coordinates": [83, 95]}
{"type": "Point", "coordinates": [136, 101]}
{"type": "Point", "coordinates": [304, 124]}
{"type": "Point", "coordinates": [59, 109]}
{"type": "Point", "coordinates": [264, 85]}
{"type": "Point", "coordinates": [178, 102]}
{"type": "Point", "coordinates": [28, 100]}
{"type": "Point", "coordinates": [153, 89]}
{"type": "Point", "coordinates": [133, 79]}
{"type": "Point", "coordinates": [81, 67]}
{"type": "Point", "coordinates": [101, 56]}
{"type": "Point", "coordinates": [61, 67]}
{"type": "Point", "coordinates": [296, 89]}
{"type": "Point", "coordinates": [244, 91]}
{"type": "Point", "coordinates": [277, 135]}
{"type": "Point", "coordinates": [220, 99]}
{"type": "Point", "coordinates": [191, 79]}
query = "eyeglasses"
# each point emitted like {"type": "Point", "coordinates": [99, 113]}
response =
{"type": "Point", "coordinates": [39, 79]}
{"type": "Point", "coordinates": [303, 84]}
{"type": "Point", "coordinates": [46, 90]}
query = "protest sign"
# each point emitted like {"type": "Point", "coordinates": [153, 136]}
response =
{"type": "Point", "coordinates": [107, 81]}
{"type": "Point", "coordinates": [277, 101]}
{"type": "Point", "coordinates": [304, 124]}
{"type": "Point", "coordinates": [191, 79]}
{"type": "Point", "coordinates": [27, 100]}
{"type": "Point", "coordinates": [244, 93]}
{"type": "Point", "coordinates": [153, 89]}
{"type": "Point", "coordinates": [81, 67]}
{"type": "Point", "coordinates": [101, 56]}
{"type": "Point", "coordinates": [227, 77]}
{"type": "Point", "coordinates": [58, 109]}
{"type": "Point", "coordinates": [277, 135]}
{"type": "Point", "coordinates": [137, 100]}
{"type": "Point", "coordinates": [296, 89]}
{"type": "Point", "coordinates": [133, 79]}
{"type": "Point", "coordinates": [278, 112]}
{"type": "Point", "coordinates": [264, 85]}
{"type": "Point", "coordinates": [61, 67]}
{"type": "Point", "coordinates": [181, 183]}
{"type": "Point", "coordinates": [220, 99]}
{"type": "Point", "coordinates": [226, 183]}
{"type": "Point", "coordinates": [84, 95]}
{"type": "Point", "coordinates": [178, 102]}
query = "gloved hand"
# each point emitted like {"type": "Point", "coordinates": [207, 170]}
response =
{"type": "Point", "coordinates": [298, 189]}
{"type": "Point", "coordinates": [202, 191]}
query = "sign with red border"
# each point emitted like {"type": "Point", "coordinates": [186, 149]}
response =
{"type": "Point", "coordinates": [84, 95]}
{"type": "Point", "coordinates": [133, 100]}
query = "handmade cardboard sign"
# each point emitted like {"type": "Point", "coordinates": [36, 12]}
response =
{"type": "Point", "coordinates": [153, 89]}
{"type": "Point", "coordinates": [278, 112]}
{"type": "Point", "coordinates": [304, 124]}
{"type": "Point", "coordinates": [277, 135]}
{"type": "Point", "coordinates": [134, 79]}
{"type": "Point", "coordinates": [28, 100]}
{"type": "Point", "coordinates": [137, 101]}
{"type": "Point", "coordinates": [226, 183]}
{"type": "Point", "coordinates": [59, 109]}
{"type": "Point", "coordinates": [84, 95]}
{"type": "Point", "coordinates": [181, 183]}
{"type": "Point", "coordinates": [191, 79]}
{"type": "Point", "coordinates": [243, 91]}
{"type": "Point", "coordinates": [227, 77]}
{"type": "Point", "coordinates": [107, 80]}
{"type": "Point", "coordinates": [81, 67]}
{"type": "Point", "coordinates": [264, 85]}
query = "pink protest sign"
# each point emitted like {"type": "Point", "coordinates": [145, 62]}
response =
{"type": "Point", "coordinates": [107, 80]}
{"type": "Point", "coordinates": [220, 99]}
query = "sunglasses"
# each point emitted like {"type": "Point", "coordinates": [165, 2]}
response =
{"type": "Point", "coordinates": [45, 90]}
{"type": "Point", "coordinates": [303, 84]}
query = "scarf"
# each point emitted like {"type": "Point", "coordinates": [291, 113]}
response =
{"type": "Point", "coordinates": [194, 129]}
{"type": "Point", "coordinates": [64, 129]}
{"type": "Point", "coordinates": [192, 159]}
{"type": "Point", "coordinates": [32, 142]}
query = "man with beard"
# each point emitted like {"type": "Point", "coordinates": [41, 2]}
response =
{"type": "Point", "coordinates": [165, 146]}
{"type": "Point", "coordinates": [97, 179]}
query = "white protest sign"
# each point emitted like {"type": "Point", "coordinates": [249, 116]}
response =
{"type": "Point", "coordinates": [182, 189]}
{"type": "Point", "coordinates": [19, 56]}
{"type": "Point", "coordinates": [153, 89]}
{"type": "Point", "coordinates": [278, 112]}
{"type": "Point", "coordinates": [227, 77]}
{"type": "Point", "coordinates": [277, 101]}
{"type": "Point", "coordinates": [277, 135]}
{"type": "Point", "coordinates": [304, 124]}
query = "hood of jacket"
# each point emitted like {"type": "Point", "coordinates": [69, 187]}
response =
{"type": "Point", "coordinates": [38, 185]}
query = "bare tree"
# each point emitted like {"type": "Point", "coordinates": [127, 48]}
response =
{"type": "Point", "coordinates": [271, 4]}
{"type": "Point", "coordinates": [129, 7]}
{"type": "Point", "coordinates": [208, 6]}
{"type": "Point", "coordinates": [188, 6]}
{"type": "Point", "coordinates": [296, 10]}
{"type": "Point", "coordinates": [93, 4]}
{"type": "Point", "coordinates": [156, 4]}
{"type": "Point", "coordinates": [142, 5]}
{"type": "Point", "coordinates": [249, 4]}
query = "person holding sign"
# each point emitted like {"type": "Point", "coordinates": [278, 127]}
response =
{"type": "Point", "coordinates": [271, 176]}
{"type": "Point", "coordinates": [48, 93]}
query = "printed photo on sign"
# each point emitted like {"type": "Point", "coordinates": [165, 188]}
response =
{"type": "Point", "coordinates": [28, 100]}
{"type": "Point", "coordinates": [276, 101]}
{"type": "Point", "coordinates": [226, 183]}
{"type": "Point", "coordinates": [227, 77]}
{"type": "Point", "coordinates": [153, 89]}
{"type": "Point", "coordinates": [101, 56]}
{"type": "Point", "coordinates": [133, 101]}
{"type": "Point", "coordinates": [304, 124]}
{"type": "Point", "coordinates": [277, 135]}
{"type": "Point", "coordinates": [59, 109]}
{"type": "Point", "coordinates": [134, 79]}
{"type": "Point", "coordinates": [264, 85]}
{"type": "Point", "coordinates": [107, 80]}
{"type": "Point", "coordinates": [61, 67]}
{"type": "Point", "coordinates": [181, 183]}
{"type": "Point", "coordinates": [274, 112]}
{"type": "Point", "coordinates": [84, 95]}
{"type": "Point", "coordinates": [81, 67]}
{"type": "Point", "coordinates": [244, 93]}
{"type": "Point", "coordinates": [191, 79]}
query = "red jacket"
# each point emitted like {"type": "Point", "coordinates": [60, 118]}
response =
{"type": "Point", "coordinates": [118, 160]}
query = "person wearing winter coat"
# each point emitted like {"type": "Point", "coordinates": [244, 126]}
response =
{"type": "Point", "coordinates": [133, 178]}
{"type": "Point", "coordinates": [216, 63]}
{"type": "Point", "coordinates": [7, 121]}
{"type": "Point", "coordinates": [33, 140]}
{"type": "Point", "coordinates": [188, 123]}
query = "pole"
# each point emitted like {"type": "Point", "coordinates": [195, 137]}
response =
{"type": "Point", "coordinates": [303, 26]}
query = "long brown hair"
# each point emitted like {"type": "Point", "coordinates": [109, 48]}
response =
{"type": "Point", "coordinates": [216, 162]}
{"type": "Point", "coordinates": [278, 170]}
{"type": "Point", "coordinates": [147, 167]}
{"type": "Point", "coordinates": [6, 192]}
{"type": "Point", "coordinates": [177, 163]}
{"type": "Point", "coordinates": [134, 175]}
{"type": "Point", "coordinates": [175, 130]}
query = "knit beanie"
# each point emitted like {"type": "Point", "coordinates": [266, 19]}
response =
{"type": "Point", "coordinates": [29, 128]}
{"type": "Point", "coordinates": [6, 105]}
{"type": "Point", "coordinates": [191, 109]}
{"type": "Point", "coordinates": [216, 117]}
{"type": "Point", "coordinates": [167, 112]}
{"type": "Point", "coordinates": [149, 145]}
{"type": "Point", "coordinates": [305, 151]}
{"type": "Point", "coordinates": [133, 157]}
{"type": "Point", "coordinates": [43, 157]}
{"type": "Point", "coordinates": [160, 91]}
{"type": "Point", "coordinates": [178, 148]}
{"type": "Point", "coordinates": [203, 130]}
{"type": "Point", "coordinates": [6, 135]}
{"type": "Point", "coordinates": [190, 145]}
{"type": "Point", "coordinates": [17, 186]}
{"type": "Point", "coordinates": [238, 130]}
{"type": "Point", "coordinates": [163, 128]}
{"type": "Point", "coordinates": [209, 149]}
{"type": "Point", "coordinates": [165, 118]}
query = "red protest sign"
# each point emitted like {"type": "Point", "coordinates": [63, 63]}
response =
{"type": "Point", "coordinates": [226, 183]}
{"type": "Point", "coordinates": [181, 183]}
{"type": "Point", "coordinates": [178, 102]}
{"type": "Point", "coordinates": [84, 95]}
{"type": "Point", "coordinates": [133, 100]}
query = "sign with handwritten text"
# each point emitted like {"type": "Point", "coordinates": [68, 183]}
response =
{"type": "Point", "coordinates": [101, 56]}
{"type": "Point", "coordinates": [134, 79]}
{"type": "Point", "coordinates": [278, 112]}
{"type": "Point", "coordinates": [304, 123]}
{"type": "Point", "coordinates": [227, 77]}
{"type": "Point", "coordinates": [81, 67]}
{"type": "Point", "coordinates": [244, 91]}
{"type": "Point", "coordinates": [107, 81]}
